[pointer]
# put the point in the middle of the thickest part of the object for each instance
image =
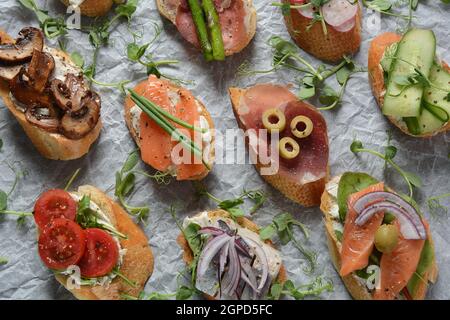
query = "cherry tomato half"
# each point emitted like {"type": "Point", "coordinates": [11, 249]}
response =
{"type": "Point", "coordinates": [101, 255]}
{"type": "Point", "coordinates": [61, 244]}
{"type": "Point", "coordinates": [54, 204]}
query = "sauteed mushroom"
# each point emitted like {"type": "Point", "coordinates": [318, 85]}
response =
{"type": "Point", "coordinates": [22, 89]}
{"type": "Point", "coordinates": [22, 50]}
{"type": "Point", "coordinates": [69, 94]}
{"type": "Point", "coordinates": [41, 67]}
{"type": "Point", "coordinates": [76, 125]}
{"type": "Point", "coordinates": [8, 73]}
{"type": "Point", "coordinates": [43, 117]}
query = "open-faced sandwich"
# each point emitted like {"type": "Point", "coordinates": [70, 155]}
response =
{"type": "Point", "coordinates": [300, 167]}
{"type": "Point", "coordinates": [47, 94]}
{"type": "Point", "coordinates": [229, 258]}
{"type": "Point", "coordinates": [328, 31]}
{"type": "Point", "coordinates": [218, 27]}
{"type": "Point", "coordinates": [379, 242]}
{"type": "Point", "coordinates": [172, 128]}
{"type": "Point", "coordinates": [410, 83]}
{"type": "Point", "coordinates": [92, 8]}
{"type": "Point", "coordinates": [91, 244]}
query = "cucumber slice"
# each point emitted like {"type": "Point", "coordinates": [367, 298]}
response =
{"type": "Point", "coordinates": [413, 125]}
{"type": "Point", "coordinates": [435, 97]}
{"type": "Point", "coordinates": [429, 123]}
{"type": "Point", "coordinates": [417, 47]}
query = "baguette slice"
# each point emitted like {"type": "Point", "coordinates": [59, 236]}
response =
{"type": "Point", "coordinates": [53, 146]}
{"type": "Point", "coordinates": [93, 8]}
{"type": "Point", "coordinates": [168, 9]}
{"type": "Point", "coordinates": [308, 194]}
{"type": "Point", "coordinates": [329, 48]}
{"type": "Point", "coordinates": [137, 262]}
{"type": "Point", "coordinates": [354, 286]}
{"type": "Point", "coordinates": [376, 79]}
{"type": "Point", "coordinates": [188, 256]}
{"type": "Point", "coordinates": [174, 88]}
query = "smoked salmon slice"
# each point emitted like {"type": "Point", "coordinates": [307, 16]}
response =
{"type": "Point", "coordinates": [156, 145]}
{"type": "Point", "coordinates": [398, 267]}
{"type": "Point", "coordinates": [358, 241]}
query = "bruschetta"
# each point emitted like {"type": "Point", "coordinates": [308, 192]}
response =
{"type": "Point", "coordinates": [235, 21]}
{"type": "Point", "coordinates": [47, 94]}
{"type": "Point", "coordinates": [329, 38]}
{"type": "Point", "coordinates": [91, 244]}
{"type": "Point", "coordinates": [379, 243]}
{"type": "Point", "coordinates": [301, 169]}
{"type": "Point", "coordinates": [158, 148]}
{"type": "Point", "coordinates": [398, 80]}
{"type": "Point", "coordinates": [92, 8]}
{"type": "Point", "coordinates": [246, 266]}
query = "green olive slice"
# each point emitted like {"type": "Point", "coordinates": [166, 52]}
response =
{"type": "Point", "coordinates": [289, 148]}
{"type": "Point", "coordinates": [301, 126]}
{"type": "Point", "coordinates": [274, 120]}
{"type": "Point", "coordinates": [386, 238]}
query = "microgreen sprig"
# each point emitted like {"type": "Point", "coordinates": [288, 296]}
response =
{"type": "Point", "coordinates": [3, 261]}
{"type": "Point", "coordinates": [411, 179]}
{"type": "Point", "coordinates": [315, 288]}
{"type": "Point", "coordinates": [434, 204]}
{"type": "Point", "coordinates": [282, 226]}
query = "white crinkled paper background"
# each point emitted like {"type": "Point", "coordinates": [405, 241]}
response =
{"type": "Point", "coordinates": [25, 277]}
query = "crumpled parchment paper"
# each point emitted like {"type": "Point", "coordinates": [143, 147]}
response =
{"type": "Point", "coordinates": [25, 277]}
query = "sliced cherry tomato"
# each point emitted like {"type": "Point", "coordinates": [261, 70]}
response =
{"type": "Point", "coordinates": [101, 255]}
{"type": "Point", "coordinates": [54, 204]}
{"type": "Point", "coordinates": [61, 244]}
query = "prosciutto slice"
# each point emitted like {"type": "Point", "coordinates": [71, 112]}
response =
{"type": "Point", "coordinates": [312, 163]}
{"type": "Point", "coordinates": [232, 14]}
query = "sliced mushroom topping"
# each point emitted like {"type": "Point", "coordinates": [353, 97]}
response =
{"type": "Point", "coordinates": [43, 117]}
{"type": "Point", "coordinates": [22, 50]}
{"type": "Point", "coordinates": [8, 73]}
{"type": "Point", "coordinates": [69, 94]}
{"type": "Point", "coordinates": [76, 125]}
{"type": "Point", "coordinates": [23, 91]}
{"type": "Point", "coordinates": [41, 67]}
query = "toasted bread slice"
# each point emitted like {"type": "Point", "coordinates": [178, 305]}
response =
{"type": "Point", "coordinates": [376, 78]}
{"type": "Point", "coordinates": [93, 8]}
{"type": "Point", "coordinates": [168, 9]}
{"type": "Point", "coordinates": [308, 194]}
{"type": "Point", "coordinates": [188, 256]}
{"type": "Point", "coordinates": [53, 146]}
{"type": "Point", "coordinates": [355, 287]}
{"type": "Point", "coordinates": [138, 260]}
{"type": "Point", "coordinates": [204, 112]}
{"type": "Point", "coordinates": [329, 48]}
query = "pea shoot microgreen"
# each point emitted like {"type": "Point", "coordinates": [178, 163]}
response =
{"type": "Point", "coordinates": [4, 197]}
{"type": "Point", "coordinates": [385, 7]}
{"type": "Point", "coordinates": [435, 206]}
{"type": "Point", "coordinates": [126, 181]}
{"type": "Point", "coordinates": [129, 282]}
{"type": "Point", "coordinates": [315, 288]}
{"type": "Point", "coordinates": [52, 27]}
{"type": "Point", "coordinates": [282, 226]}
{"type": "Point", "coordinates": [411, 179]}
{"type": "Point", "coordinates": [234, 206]}
{"type": "Point", "coordinates": [285, 54]}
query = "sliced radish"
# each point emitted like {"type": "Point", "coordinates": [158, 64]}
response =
{"type": "Point", "coordinates": [339, 12]}
{"type": "Point", "coordinates": [307, 12]}
{"type": "Point", "coordinates": [345, 27]}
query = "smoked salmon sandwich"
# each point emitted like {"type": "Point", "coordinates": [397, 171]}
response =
{"type": "Point", "coordinates": [379, 242]}
{"type": "Point", "coordinates": [92, 8]}
{"type": "Point", "coordinates": [91, 244]}
{"type": "Point", "coordinates": [296, 163]}
{"type": "Point", "coordinates": [410, 83]}
{"type": "Point", "coordinates": [172, 128]}
{"type": "Point", "coordinates": [219, 28]}
{"type": "Point", "coordinates": [229, 258]}
{"type": "Point", "coordinates": [328, 31]}
{"type": "Point", "coordinates": [47, 93]}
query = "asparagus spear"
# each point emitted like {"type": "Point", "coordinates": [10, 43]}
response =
{"type": "Point", "coordinates": [200, 26]}
{"type": "Point", "coordinates": [214, 28]}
